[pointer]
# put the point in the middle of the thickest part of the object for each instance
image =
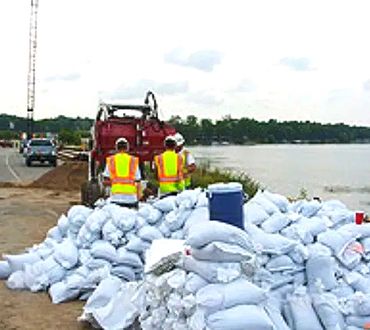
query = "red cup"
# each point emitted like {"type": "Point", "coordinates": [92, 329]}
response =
{"type": "Point", "coordinates": [359, 217]}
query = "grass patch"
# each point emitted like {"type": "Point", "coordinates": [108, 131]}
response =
{"type": "Point", "coordinates": [205, 175]}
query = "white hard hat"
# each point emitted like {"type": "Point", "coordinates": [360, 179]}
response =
{"type": "Point", "coordinates": [170, 138]}
{"type": "Point", "coordinates": [179, 139]}
{"type": "Point", "coordinates": [121, 140]}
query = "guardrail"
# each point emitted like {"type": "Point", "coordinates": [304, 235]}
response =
{"type": "Point", "coordinates": [73, 155]}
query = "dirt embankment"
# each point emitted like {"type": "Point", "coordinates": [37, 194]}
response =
{"type": "Point", "coordinates": [25, 217]}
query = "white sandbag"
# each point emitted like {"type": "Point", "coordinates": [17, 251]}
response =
{"type": "Point", "coordinates": [198, 215]}
{"type": "Point", "coordinates": [76, 281]}
{"type": "Point", "coordinates": [16, 262]}
{"type": "Point", "coordinates": [55, 234]}
{"type": "Point", "coordinates": [327, 308]}
{"type": "Point", "coordinates": [136, 244]}
{"type": "Point", "coordinates": [336, 241]}
{"type": "Point", "coordinates": [119, 313]}
{"type": "Point", "coordinates": [149, 233]}
{"type": "Point", "coordinates": [202, 200]}
{"type": "Point", "coordinates": [358, 282]}
{"type": "Point", "coordinates": [310, 208]}
{"type": "Point", "coordinates": [128, 258]}
{"type": "Point", "coordinates": [178, 234]}
{"type": "Point", "coordinates": [216, 297]}
{"type": "Point", "coordinates": [163, 228]}
{"type": "Point", "coordinates": [204, 233]}
{"type": "Point", "coordinates": [321, 268]}
{"type": "Point", "coordinates": [341, 216]}
{"type": "Point", "coordinates": [194, 282]}
{"type": "Point", "coordinates": [273, 311]}
{"type": "Point", "coordinates": [124, 272]}
{"type": "Point", "coordinates": [5, 270]}
{"type": "Point", "coordinates": [96, 220]}
{"type": "Point", "coordinates": [103, 293]}
{"type": "Point", "coordinates": [104, 250]}
{"type": "Point", "coordinates": [111, 233]}
{"type": "Point", "coordinates": [342, 290]}
{"type": "Point", "coordinates": [314, 226]}
{"type": "Point", "coordinates": [79, 210]}
{"type": "Point", "coordinates": [16, 281]}
{"type": "Point", "coordinates": [59, 293]}
{"type": "Point", "coordinates": [66, 254]}
{"type": "Point", "coordinates": [280, 263]}
{"type": "Point", "coordinates": [150, 214]}
{"type": "Point", "coordinates": [303, 314]}
{"type": "Point", "coordinates": [123, 218]}
{"type": "Point", "coordinates": [300, 254]}
{"type": "Point", "coordinates": [275, 223]}
{"type": "Point", "coordinates": [357, 231]}
{"type": "Point", "coordinates": [270, 243]}
{"type": "Point", "coordinates": [165, 204]}
{"type": "Point", "coordinates": [43, 250]}
{"type": "Point", "coordinates": [176, 219]}
{"type": "Point", "coordinates": [254, 213]}
{"type": "Point", "coordinates": [221, 252]}
{"type": "Point", "coordinates": [279, 200]}
{"type": "Point", "coordinates": [351, 255]}
{"type": "Point", "coordinates": [264, 202]}
{"type": "Point", "coordinates": [318, 249]}
{"type": "Point", "coordinates": [240, 317]}
{"type": "Point", "coordinates": [359, 304]}
{"type": "Point", "coordinates": [212, 272]}
{"type": "Point", "coordinates": [63, 224]}
{"type": "Point", "coordinates": [358, 321]}
{"type": "Point", "coordinates": [93, 264]}
{"type": "Point", "coordinates": [188, 198]}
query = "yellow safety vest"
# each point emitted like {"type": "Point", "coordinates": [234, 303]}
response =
{"type": "Point", "coordinates": [187, 175]}
{"type": "Point", "coordinates": [122, 170]}
{"type": "Point", "coordinates": [170, 172]}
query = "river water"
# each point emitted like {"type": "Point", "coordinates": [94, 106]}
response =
{"type": "Point", "coordinates": [327, 171]}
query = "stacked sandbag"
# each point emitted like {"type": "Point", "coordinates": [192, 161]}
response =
{"type": "Point", "coordinates": [313, 259]}
{"type": "Point", "coordinates": [88, 244]}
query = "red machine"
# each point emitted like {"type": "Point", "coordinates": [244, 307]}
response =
{"type": "Point", "coordinates": [139, 124]}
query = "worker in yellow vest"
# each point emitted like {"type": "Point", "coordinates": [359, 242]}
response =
{"type": "Point", "coordinates": [188, 160]}
{"type": "Point", "coordinates": [122, 174]}
{"type": "Point", "coordinates": [169, 167]}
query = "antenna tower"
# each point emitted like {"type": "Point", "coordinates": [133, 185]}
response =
{"type": "Point", "coordinates": [31, 79]}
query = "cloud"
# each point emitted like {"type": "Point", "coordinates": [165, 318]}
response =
{"type": "Point", "coordinates": [366, 85]}
{"type": "Point", "coordinates": [204, 98]}
{"type": "Point", "coordinates": [139, 89]}
{"type": "Point", "coordinates": [297, 63]}
{"type": "Point", "coordinates": [204, 60]}
{"type": "Point", "coordinates": [66, 77]}
{"type": "Point", "coordinates": [245, 86]}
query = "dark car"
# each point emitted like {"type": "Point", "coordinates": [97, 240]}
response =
{"type": "Point", "coordinates": [41, 150]}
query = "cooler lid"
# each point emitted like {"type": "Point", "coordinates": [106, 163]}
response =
{"type": "Point", "coordinates": [225, 187]}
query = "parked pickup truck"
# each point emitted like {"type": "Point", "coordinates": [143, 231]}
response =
{"type": "Point", "coordinates": [41, 150]}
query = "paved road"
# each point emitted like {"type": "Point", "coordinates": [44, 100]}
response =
{"type": "Point", "coordinates": [13, 168]}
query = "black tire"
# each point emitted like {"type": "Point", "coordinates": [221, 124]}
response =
{"type": "Point", "coordinates": [54, 163]}
{"type": "Point", "coordinates": [28, 163]}
{"type": "Point", "coordinates": [90, 193]}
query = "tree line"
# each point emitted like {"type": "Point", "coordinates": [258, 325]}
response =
{"type": "Point", "coordinates": [247, 130]}
{"type": "Point", "coordinates": [205, 131]}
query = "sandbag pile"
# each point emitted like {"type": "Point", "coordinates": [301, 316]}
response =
{"type": "Point", "coordinates": [88, 245]}
{"type": "Point", "coordinates": [298, 265]}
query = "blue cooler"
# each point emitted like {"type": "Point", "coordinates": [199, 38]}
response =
{"type": "Point", "coordinates": [226, 203]}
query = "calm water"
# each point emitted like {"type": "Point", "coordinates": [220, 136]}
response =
{"type": "Point", "coordinates": [328, 171]}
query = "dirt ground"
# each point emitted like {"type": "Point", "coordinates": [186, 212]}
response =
{"type": "Point", "coordinates": [25, 217]}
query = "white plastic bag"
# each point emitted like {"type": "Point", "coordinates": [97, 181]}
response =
{"type": "Point", "coordinates": [66, 254]}
{"type": "Point", "coordinates": [104, 250]}
{"type": "Point", "coordinates": [5, 270]}
{"type": "Point", "coordinates": [240, 317]}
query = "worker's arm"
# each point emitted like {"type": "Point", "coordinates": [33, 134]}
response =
{"type": "Point", "coordinates": [138, 183]}
{"type": "Point", "coordinates": [190, 163]}
{"type": "Point", "coordinates": [106, 177]}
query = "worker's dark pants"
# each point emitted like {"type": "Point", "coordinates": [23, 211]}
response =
{"type": "Point", "coordinates": [128, 205]}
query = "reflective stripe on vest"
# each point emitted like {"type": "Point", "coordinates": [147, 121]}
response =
{"type": "Point", "coordinates": [169, 169]}
{"type": "Point", "coordinates": [122, 169]}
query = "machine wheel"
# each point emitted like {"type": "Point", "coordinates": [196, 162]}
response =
{"type": "Point", "coordinates": [28, 163]}
{"type": "Point", "coordinates": [90, 193]}
{"type": "Point", "coordinates": [53, 163]}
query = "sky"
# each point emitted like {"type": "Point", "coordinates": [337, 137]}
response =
{"type": "Point", "coordinates": [280, 59]}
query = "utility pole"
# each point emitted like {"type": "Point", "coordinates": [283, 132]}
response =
{"type": "Point", "coordinates": [31, 79]}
